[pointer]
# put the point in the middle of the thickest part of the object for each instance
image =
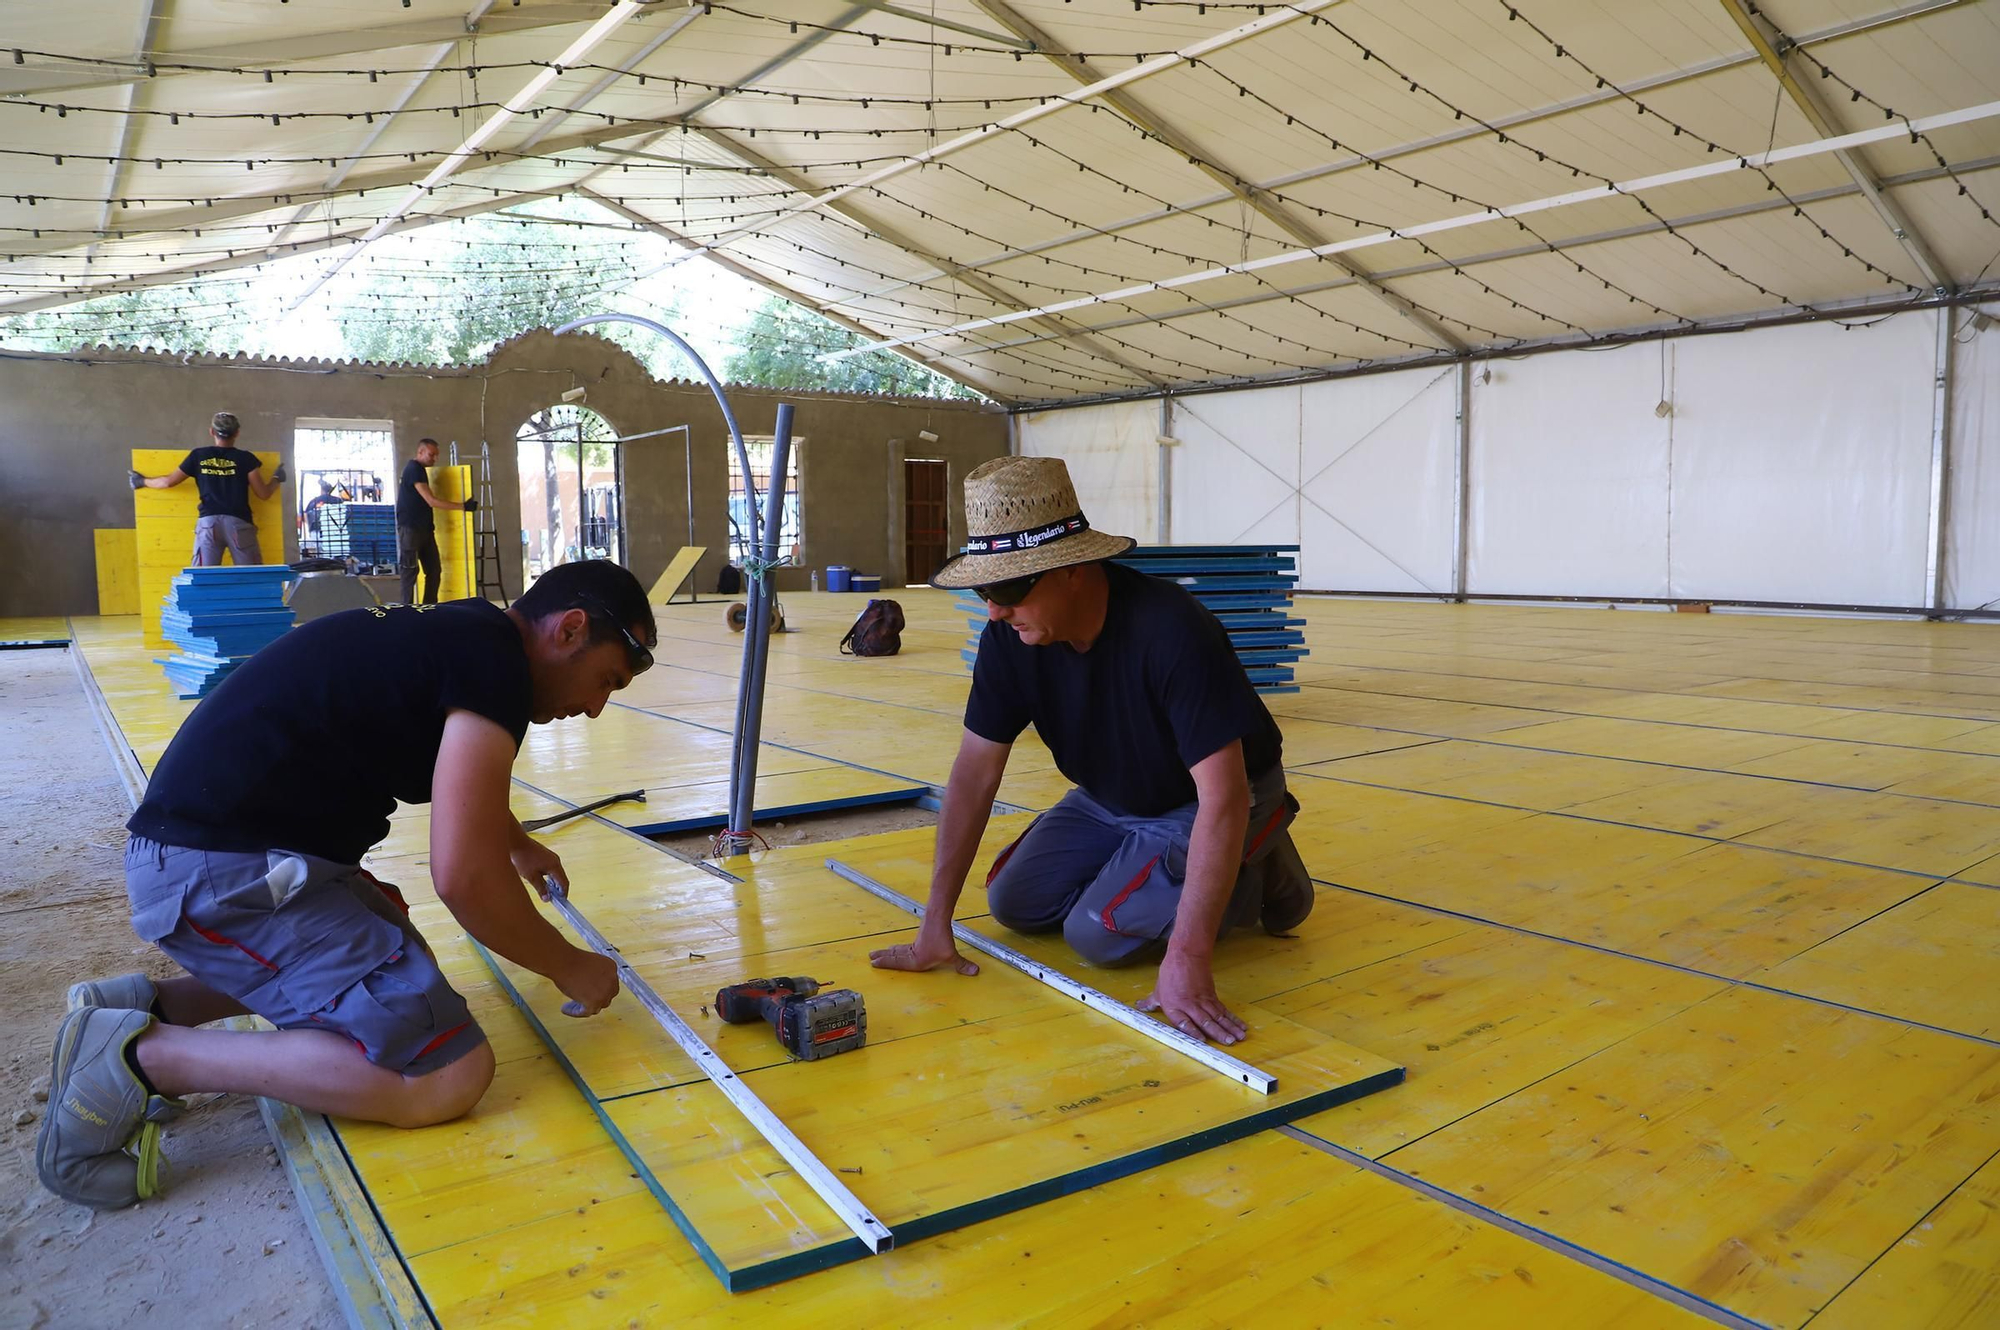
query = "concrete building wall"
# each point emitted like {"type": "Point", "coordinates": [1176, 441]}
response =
{"type": "Point", "coordinates": [69, 422]}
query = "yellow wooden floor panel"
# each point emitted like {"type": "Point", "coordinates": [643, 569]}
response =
{"type": "Point", "coordinates": [1756, 1150]}
{"type": "Point", "coordinates": [1944, 1273]}
{"type": "Point", "coordinates": [1264, 1231]}
{"type": "Point", "coordinates": [1769, 1191]}
{"type": "Point", "coordinates": [1934, 958]}
{"type": "Point", "coordinates": [1476, 1017]}
{"type": "Point", "coordinates": [35, 628]}
{"type": "Point", "coordinates": [1722, 908]}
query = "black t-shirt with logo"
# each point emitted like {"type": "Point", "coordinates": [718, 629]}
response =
{"type": "Point", "coordinates": [308, 745]}
{"type": "Point", "coordinates": [222, 477]}
{"type": "Point", "coordinates": [411, 510]}
{"type": "Point", "coordinates": [1159, 690]}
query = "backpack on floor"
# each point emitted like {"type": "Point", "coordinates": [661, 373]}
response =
{"type": "Point", "coordinates": [878, 632]}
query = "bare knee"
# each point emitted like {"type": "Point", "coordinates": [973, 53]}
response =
{"type": "Point", "coordinates": [447, 1093]}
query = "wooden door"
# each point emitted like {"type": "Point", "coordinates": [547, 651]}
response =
{"type": "Point", "coordinates": [925, 534]}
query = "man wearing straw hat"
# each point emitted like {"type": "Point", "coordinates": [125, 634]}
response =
{"type": "Point", "coordinates": [1178, 830]}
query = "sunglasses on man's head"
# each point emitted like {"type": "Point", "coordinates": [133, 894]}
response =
{"type": "Point", "coordinates": [638, 657]}
{"type": "Point", "coordinates": [1009, 593]}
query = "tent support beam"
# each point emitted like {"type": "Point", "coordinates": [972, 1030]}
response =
{"type": "Point", "coordinates": [1936, 276]}
{"type": "Point", "coordinates": [1284, 218]}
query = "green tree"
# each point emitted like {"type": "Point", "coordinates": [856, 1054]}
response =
{"type": "Point", "coordinates": [782, 343]}
{"type": "Point", "coordinates": [207, 316]}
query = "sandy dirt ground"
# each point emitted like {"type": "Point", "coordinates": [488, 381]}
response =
{"type": "Point", "coordinates": [223, 1244]}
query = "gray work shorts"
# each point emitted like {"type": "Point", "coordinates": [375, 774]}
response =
{"type": "Point", "coordinates": [306, 943]}
{"type": "Point", "coordinates": [212, 533]}
{"type": "Point", "coordinates": [1112, 882]}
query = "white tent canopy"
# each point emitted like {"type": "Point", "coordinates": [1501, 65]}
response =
{"type": "Point", "coordinates": [911, 169]}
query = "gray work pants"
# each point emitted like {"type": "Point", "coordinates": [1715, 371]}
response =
{"type": "Point", "coordinates": [1112, 882]}
{"type": "Point", "coordinates": [211, 534]}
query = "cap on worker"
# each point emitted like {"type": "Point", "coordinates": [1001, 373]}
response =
{"type": "Point", "coordinates": [226, 425]}
{"type": "Point", "coordinates": [1021, 517]}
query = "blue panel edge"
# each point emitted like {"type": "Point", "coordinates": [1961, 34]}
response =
{"type": "Point", "coordinates": [908, 794]}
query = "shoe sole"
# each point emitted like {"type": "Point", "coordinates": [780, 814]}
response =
{"type": "Point", "coordinates": [67, 1035]}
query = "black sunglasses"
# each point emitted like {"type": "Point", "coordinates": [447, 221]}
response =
{"type": "Point", "coordinates": [638, 657]}
{"type": "Point", "coordinates": [1009, 593]}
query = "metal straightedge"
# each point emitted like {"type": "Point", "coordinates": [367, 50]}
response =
{"type": "Point", "coordinates": [1103, 1003]}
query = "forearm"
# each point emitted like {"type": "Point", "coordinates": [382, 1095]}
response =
{"type": "Point", "coordinates": [499, 915]}
{"type": "Point", "coordinates": [1215, 854]}
{"type": "Point", "coordinates": [968, 806]}
{"type": "Point", "coordinates": [159, 482]}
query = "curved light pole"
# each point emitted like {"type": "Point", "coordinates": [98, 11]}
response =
{"type": "Point", "coordinates": [762, 554]}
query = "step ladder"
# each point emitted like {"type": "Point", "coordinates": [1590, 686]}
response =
{"type": "Point", "coordinates": [487, 568]}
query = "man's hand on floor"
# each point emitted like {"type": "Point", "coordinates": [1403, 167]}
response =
{"type": "Point", "coordinates": [1186, 996]}
{"type": "Point", "coordinates": [927, 953]}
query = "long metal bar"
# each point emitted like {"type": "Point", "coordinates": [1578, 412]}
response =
{"type": "Point", "coordinates": [1499, 123]}
{"type": "Point", "coordinates": [1102, 1003]}
{"type": "Point", "coordinates": [743, 790]}
{"type": "Point", "coordinates": [1154, 123]}
{"type": "Point", "coordinates": [874, 1234]}
{"type": "Point", "coordinates": [1943, 120]}
{"type": "Point", "coordinates": [1461, 477]}
{"type": "Point", "coordinates": [1935, 560]}
{"type": "Point", "coordinates": [1053, 105]}
{"type": "Point", "coordinates": [1822, 120]}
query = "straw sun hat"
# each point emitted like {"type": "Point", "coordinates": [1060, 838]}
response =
{"type": "Point", "coordinates": [1022, 516]}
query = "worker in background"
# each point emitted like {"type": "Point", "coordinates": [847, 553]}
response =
{"type": "Point", "coordinates": [225, 477]}
{"type": "Point", "coordinates": [244, 867]}
{"type": "Point", "coordinates": [1179, 828]}
{"type": "Point", "coordinates": [416, 529]}
{"type": "Point", "coordinates": [325, 496]}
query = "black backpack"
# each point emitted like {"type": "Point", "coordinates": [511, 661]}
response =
{"type": "Point", "coordinates": [878, 632]}
{"type": "Point", "coordinates": [729, 581]}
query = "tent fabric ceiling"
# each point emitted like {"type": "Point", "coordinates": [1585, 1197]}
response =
{"type": "Point", "coordinates": [151, 141]}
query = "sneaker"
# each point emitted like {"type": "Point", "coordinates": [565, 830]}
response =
{"type": "Point", "coordinates": [100, 1139]}
{"type": "Point", "coordinates": [130, 992]}
{"type": "Point", "coordinates": [1288, 889]}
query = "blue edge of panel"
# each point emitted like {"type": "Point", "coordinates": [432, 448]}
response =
{"type": "Point", "coordinates": [766, 1273]}
{"type": "Point", "coordinates": [907, 795]}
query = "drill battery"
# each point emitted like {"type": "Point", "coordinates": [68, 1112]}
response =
{"type": "Point", "coordinates": [821, 1025]}
{"type": "Point", "coordinates": [810, 1024]}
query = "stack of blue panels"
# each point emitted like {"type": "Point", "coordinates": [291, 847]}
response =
{"type": "Point", "coordinates": [364, 531]}
{"type": "Point", "coordinates": [1247, 587]}
{"type": "Point", "coordinates": [219, 618]}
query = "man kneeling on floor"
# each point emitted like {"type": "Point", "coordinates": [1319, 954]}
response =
{"type": "Point", "coordinates": [1179, 828]}
{"type": "Point", "coordinates": [244, 867]}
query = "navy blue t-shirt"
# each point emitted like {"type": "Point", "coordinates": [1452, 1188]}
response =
{"type": "Point", "coordinates": [411, 510]}
{"type": "Point", "coordinates": [222, 477]}
{"type": "Point", "coordinates": [309, 744]}
{"type": "Point", "coordinates": [1159, 690]}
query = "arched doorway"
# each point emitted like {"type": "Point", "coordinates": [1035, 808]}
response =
{"type": "Point", "coordinates": [572, 489]}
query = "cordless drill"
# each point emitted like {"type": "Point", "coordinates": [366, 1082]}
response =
{"type": "Point", "coordinates": [810, 1024]}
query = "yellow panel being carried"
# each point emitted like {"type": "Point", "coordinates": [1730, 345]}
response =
{"type": "Point", "coordinates": [456, 547]}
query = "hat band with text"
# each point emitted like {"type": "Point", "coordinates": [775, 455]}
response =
{"type": "Point", "coordinates": [1029, 539]}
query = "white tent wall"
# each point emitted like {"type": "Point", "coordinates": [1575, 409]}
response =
{"type": "Point", "coordinates": [1349, 470]}
{"type": "Point", "coordinates": [1236, 468]}
{"type": "Point", "coordinates": [1113, 456]}
{"type": "Point", "coordinates": [1569, 475]}
{"type": "Point", "coordinates": [1793, 464]}
{"type": "Point", "coordinates": [1972, 505]}
{"type": "Point", "coordinates": [1801, 463]}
